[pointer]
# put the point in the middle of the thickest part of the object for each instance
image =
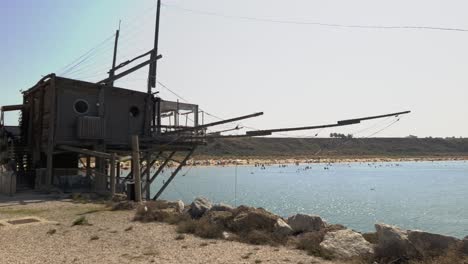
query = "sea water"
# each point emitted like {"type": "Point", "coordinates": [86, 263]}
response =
{"type": "Point", "coordinates": [430, 196]}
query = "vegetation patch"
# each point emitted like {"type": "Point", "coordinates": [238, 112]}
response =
{"type": "Point", "coordinates": [180, 237]}
{"type": "Point", "coordinates": [82, 220]}
{"type": "Point", "coordinates": [123, 206]}
{"type": "Point", "coordinates": [24, 211]}
{"type": "Point", "coordinates": [188, 226]}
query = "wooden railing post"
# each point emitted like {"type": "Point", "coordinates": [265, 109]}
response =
{"type": "Point", "coordinates": [112, 174]}
{"type": "Point", "coordinates": [136, 167]}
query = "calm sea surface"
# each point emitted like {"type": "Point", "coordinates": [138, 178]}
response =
{"type": "Point", "coordinates": [431, 196]}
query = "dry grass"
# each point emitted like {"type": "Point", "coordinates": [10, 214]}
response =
{"type": "Point", "coordinates": [206, 229]}
{"type": "Point", "coordinates": [52, 231]}
{"type": "Point", "coordinates": [180, 237]}
{"type": "Point", "coordinates": [201, 228]}
{"type": "Point", "coordinates": [82, 220]}
{"type": "Point", "coordinates": [257, 237]}
{"type": "Point", "coordinates": [187, 227]}
{"type": "Point", "coordinates": [123, 205]}
{"type": "Point", "coordinates": [158, 211]}
{"type": "Point", "coordinates": [453, 256]}
{"type": "Point", "coordinates": [21, 212]}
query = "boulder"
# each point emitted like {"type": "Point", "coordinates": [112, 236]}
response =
{"type": "Point", "coordinates": [177, 205]}
{"type": "Point", "coordinates": [464, 246]}
{"type": "Point", "coordinates": [305, 223]}
{"type": "Point", "coordinates": [249, 218]}
{"type": "Point", "coordinates": [281, 228]}
{"type": "Point", "coordinates": [220, 218]}
{"type": "Point", "coordinates": [199, 207]}
{"type": "Point", "coordinates": [371, 237]}
{"type": "Point", "coordinates": [394, 243]}
{"type": "Point", "coordinates": [346, 244]}
{"type": "Point", "coordinates": [222, 207]}
{"type": "Point", "coordinates": [430, 245]}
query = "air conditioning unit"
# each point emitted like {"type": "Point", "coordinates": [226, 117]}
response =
{"type": "Point", "coordinates": [91, 127]}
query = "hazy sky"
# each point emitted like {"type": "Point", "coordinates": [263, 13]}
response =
{"type": "Point", "coordinates": [298, 74]}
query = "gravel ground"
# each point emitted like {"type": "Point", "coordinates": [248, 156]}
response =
{"type": "Point", "coordinates": [112, 237]}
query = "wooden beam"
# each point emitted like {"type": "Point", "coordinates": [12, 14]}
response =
{"type": "Point", "coordinates": [338, 124]}
{"type": "Point", "coordinates": [112, 174]}
{"type": "Point", "coordinates": [51, 131]}
{"type": "Point", "coordinates": [123, 74]}
{"type": "Point", "coordinates": [173, 174]}
{"type": "Point", "coordinates": [86, 151]}
{"type": "Point", "coordinates": [216, 123]}
{"type": "Point", "coordinates": [7, 108]}
{"type": "Point", "coordinates": [155, 175]}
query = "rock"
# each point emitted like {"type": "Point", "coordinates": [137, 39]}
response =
{"type": "Point", "coordinates": [394, 243]}
{"type": "Point", "coordinates": [346, 244]}
{"type": "Point", "coordinates": [222, 207]}
{"type": "Point", "coordinates": [199, 206]}
{"type": "Point", "coordinates": [249, 218]}
{"type": "Point", "coordinates": [430, 245]}
{"type": "Point", "coordinates": [282, 228]}
{"type": "Point", "coordinates": [226, 235]}
{"type": "Point", "coordinates": [371, 237]}
{"type": "Point", "coordinates": [464, 246]}
{"type": "Point", "coordinates": [177, 205]}
{"type": "Point", "coordinates": [305, 223]}
{"type": "Point", "coordinates": [220, 218]}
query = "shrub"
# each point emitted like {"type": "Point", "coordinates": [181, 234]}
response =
{"type": "Point", "coordinates": [452, 256]}
{"type": "Point", "coordinates": [147, 214]}
{"type": "Point", "coordinates": [180, 237]}
{"type": "Point", "coordinates": [187, 226]}
{"type": "Point", "coordinates": [206, 229]}
{"type": "Point", "coordinates": [123, 205]}
{"type": "Point", "coordinates": [80, 221]}
{"type": "Point", "coordinates": [257, 237]}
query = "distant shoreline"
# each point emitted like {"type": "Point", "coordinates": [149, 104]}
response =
{"type": "Point", "coordinates": [288, 161]}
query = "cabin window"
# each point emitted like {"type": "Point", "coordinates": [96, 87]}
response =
{"type": "Point", "coordinates": [81, 106]}
{"type": "Point", "coordinates": [134, 111]}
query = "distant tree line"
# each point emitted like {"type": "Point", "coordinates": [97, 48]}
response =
{"type": "Point", "coordinates": [338, 135]}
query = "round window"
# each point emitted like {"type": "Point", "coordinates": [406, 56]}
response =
{"type": "Point", "coordinates": [134, 111]}
{"type": "Point", "coordinates": [81, 106]}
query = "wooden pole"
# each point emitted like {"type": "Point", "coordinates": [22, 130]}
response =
{"type": "Point", "coordinates": [114, 58]}
{"type": "Point", "coordinates": [112, 174]}
{"type": "Point", "coordinates": [136, 167]}
{"type": "Point", "coordinates": [118, 172]}
{"type": "Point", "coordinates": [147, 176]}
{"type": "Point", "coordinates": [88, 166]}
{"type": "Point", "coordinates": [153, 66]}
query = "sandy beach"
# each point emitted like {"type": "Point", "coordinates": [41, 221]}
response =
{"type": "Point", "coordinates": [112, 237]}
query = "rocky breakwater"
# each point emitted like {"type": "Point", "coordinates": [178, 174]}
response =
{"type": "Point", "coordinates": [388, 244]}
